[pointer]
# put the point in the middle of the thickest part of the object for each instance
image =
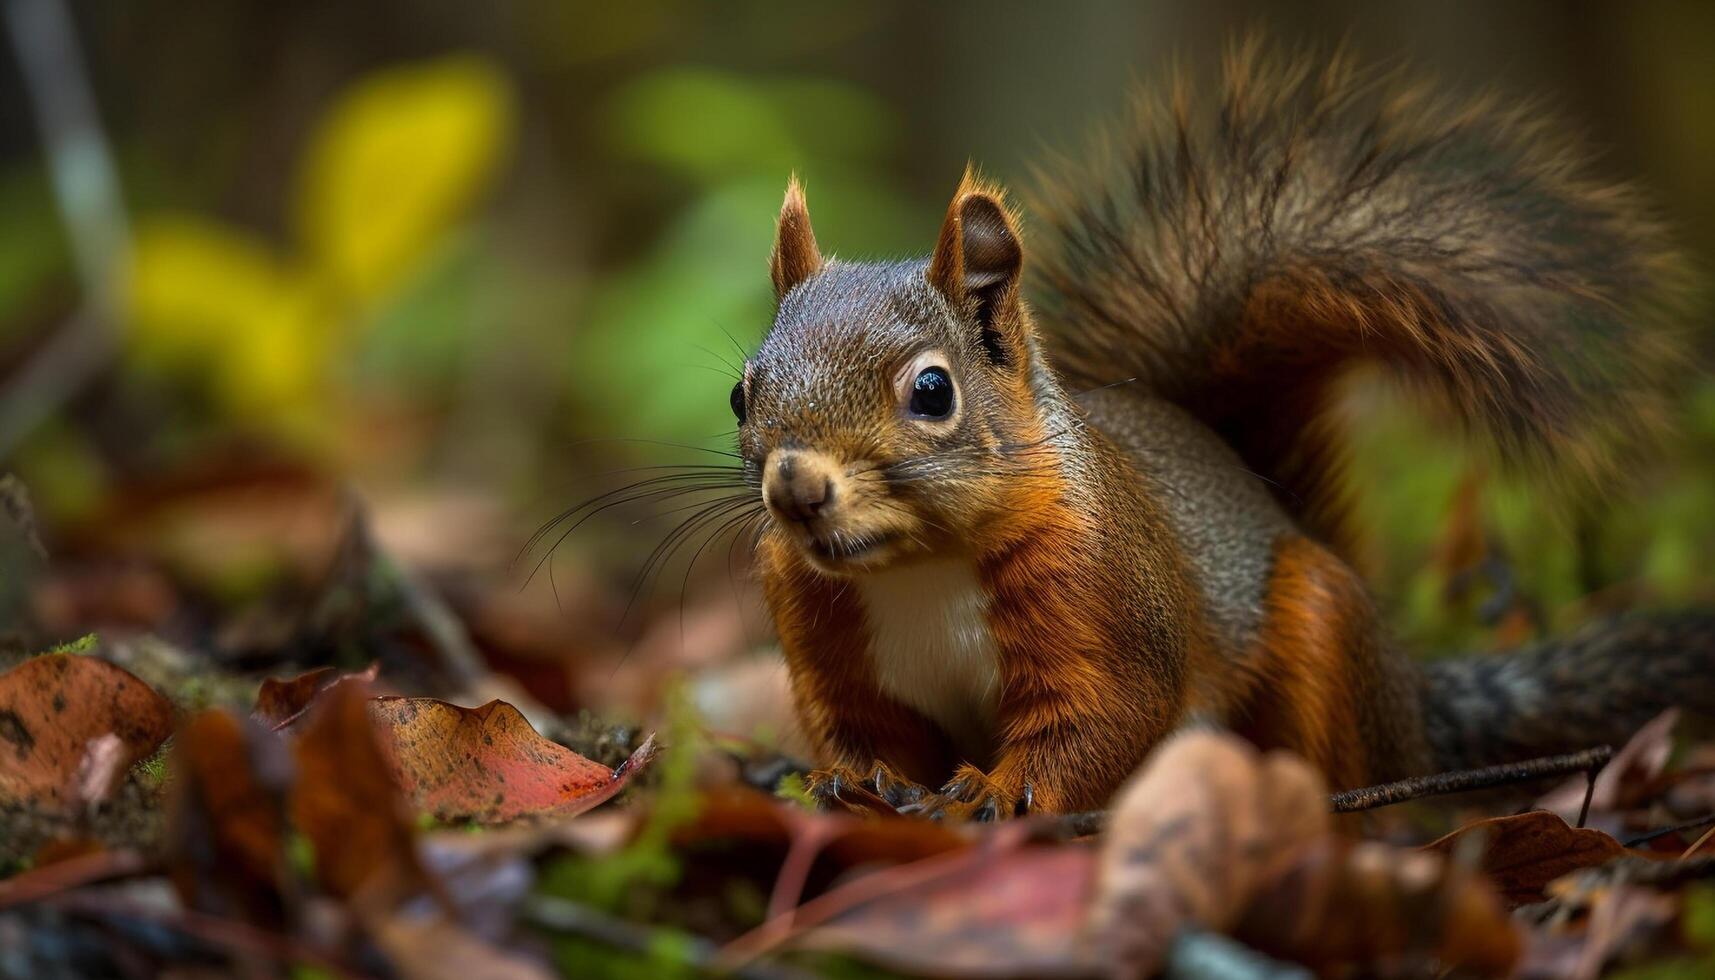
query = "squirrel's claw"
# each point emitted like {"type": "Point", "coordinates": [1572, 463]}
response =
{"type": "Point", "coordinates": [880, 791]}
{"type": "Point", "coordinates": [898, 791]}
{"type": "Point", "coordinates": [975, 796]}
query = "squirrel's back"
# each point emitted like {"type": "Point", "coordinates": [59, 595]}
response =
{"type": "Point", "coordinates": [1239, 252]}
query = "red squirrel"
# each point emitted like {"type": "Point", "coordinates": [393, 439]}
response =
{"type": "Point", "coordinates": [988, 581]}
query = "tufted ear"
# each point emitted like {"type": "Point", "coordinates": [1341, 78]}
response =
{"type": "Point", "coordinates": [978, 260]}
{"type": "Point", "coordinates": [795, 257]}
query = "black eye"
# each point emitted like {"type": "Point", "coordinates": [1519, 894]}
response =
{"type": "Point", "coordinates": [738, 402]}
{"type": "Point", "coordinates": [932, 394]}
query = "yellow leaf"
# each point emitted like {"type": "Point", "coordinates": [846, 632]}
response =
{"type": "Point", "coordinates": [193, 282]}
{"type": "Point", "coordinates": [399, 157]}
{"type": "Point", "coordinates": [213, 302]}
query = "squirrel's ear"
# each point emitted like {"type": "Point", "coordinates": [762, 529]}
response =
{"type": "Point", "coordinates": [979, 258]}
{"type": "Point", "coordinates": [795, 257]}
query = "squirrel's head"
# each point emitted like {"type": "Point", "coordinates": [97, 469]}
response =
{"type": "Point", "coordinates": [890, 410]}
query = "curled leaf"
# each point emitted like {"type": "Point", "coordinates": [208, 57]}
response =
{"type": "Point", "coordinates": [1206, 823]}
{"type": "Point", "coordinates": [282, 701]}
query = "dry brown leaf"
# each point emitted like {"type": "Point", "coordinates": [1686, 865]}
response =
{"type": "Point", "coordinates": [1020, 914]}
{"type": "Point", "coordinates": [226, 818]}
{"type": "Point", "coordinates": [1345, 903]}
{"type": "Point", "coordinates": [1525, 851]}
{"type": "Point", "coordinates": [52, 707]}
{"type": "Point", "coordinates": [346, 803]}
{"type": "Point", "coordinates": [1214, 835]}
{"type": "Point", "coordinates": [1205, 824]}
{"type": "Point", "coordinates": [487, 764]}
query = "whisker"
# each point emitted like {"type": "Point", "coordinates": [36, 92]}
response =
{"type": "Point", "coordinates": [682, 478]}
{"type": "Point", "coordinates": [666, 493]}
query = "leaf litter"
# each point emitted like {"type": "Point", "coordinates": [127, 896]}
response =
{"type": "Point", "coordinates": [318, 773]}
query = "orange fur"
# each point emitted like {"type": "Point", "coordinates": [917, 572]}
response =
{"type": "Point", "coordinates": [844, 712]}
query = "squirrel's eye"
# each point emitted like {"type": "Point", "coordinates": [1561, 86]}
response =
{"type": "Point", "coordinates": [932, 394]}
{"type": "Point", "coordinates": [738, 402]}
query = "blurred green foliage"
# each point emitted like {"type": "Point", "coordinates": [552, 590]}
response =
{"type": "Point", "coordinates": [433, 244]}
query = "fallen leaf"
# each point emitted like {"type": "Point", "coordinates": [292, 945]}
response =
{"type": "Point", "coordinates": [487, 764]}
{"type": "Point", "coordinates": [282, 701]}
{"type": "Point", "coordinates": [53, 706]}
{"type": "Point", "coordinates": [1214, 835]}
{"type": "Point", "coordinates": [1347, 903]}
{"type": "Point", "coordinates": [347, 805]}
{"type": "Point", "coordinates": [1021, 914]}
{"type": "Point", "coordinates": [1526, 851]}
{"type": "Point", "coordinates": [227, 835]}
{"type": "Point", "coordinates": [1205, 824]}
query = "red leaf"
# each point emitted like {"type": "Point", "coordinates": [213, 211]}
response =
{"type": "Point", "coordinates": [487, 764]}
{"type": "Point", "coordinates": [52, 707]}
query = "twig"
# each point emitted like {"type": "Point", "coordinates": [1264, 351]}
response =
{"type": "Point", "coordinates": [570, 918]}
{"type": "Point", "coordinates": [1589, 793]}
{"type": "Point", "coordinates": [1460, 780]}
{"type": "Point", "coordinates": [86, 190]}
{"type": "Point", "coordinates": [1702, 821]}
{"type": "Point", "coordinates": [1457, 781]}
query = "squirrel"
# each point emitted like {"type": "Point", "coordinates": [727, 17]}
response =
{"type": "Point", "coordinates": [1008, 554]}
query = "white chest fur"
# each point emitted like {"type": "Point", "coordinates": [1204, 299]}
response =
{"type": "Point", "coordinates": [931, 647]}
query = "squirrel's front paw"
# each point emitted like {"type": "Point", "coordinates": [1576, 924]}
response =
{"type": "Point", "coordinates": [975, 795]}
{"type": "Point", "coordinates": [880, 790]}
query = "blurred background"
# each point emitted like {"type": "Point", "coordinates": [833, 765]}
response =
{"type": "Point", "coordinates": [265, 267]}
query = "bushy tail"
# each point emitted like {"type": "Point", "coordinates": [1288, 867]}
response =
{"type": "Point", "coordinates": [1241, 246]}
{"type": "Point", "coordinates": [1596, 687]}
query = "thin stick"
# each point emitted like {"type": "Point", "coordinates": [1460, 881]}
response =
{"type": "Point", "coordinates": [1589, 793]}
{"type": "Point", "coordinates": [1588, 761]}
{"type": "Point", "coordinates": [86, 189]}
{"type": "Point", "coordinates": [1676, 828]}
{"type": "Point", "coordinates": [1460, 780]}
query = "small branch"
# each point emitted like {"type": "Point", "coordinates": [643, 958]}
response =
{"type": "Point", "coordinates": [1461, 780]}
{"type": "Point", "coordinates": [86, 189]}
{"type": "Point", "coordinates": [1370, 797]}
{"type": "Point", "coordinates": [1700, 822]}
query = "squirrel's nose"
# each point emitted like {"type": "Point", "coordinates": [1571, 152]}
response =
{"type": "Point", "coordinates": [797, 487]}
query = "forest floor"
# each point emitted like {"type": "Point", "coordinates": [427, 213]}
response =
{"type": "Point", "coordinates": [362, 769]}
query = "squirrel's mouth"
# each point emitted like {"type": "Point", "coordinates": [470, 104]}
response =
{"type": "Point", "coordinates": [838, 549]}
